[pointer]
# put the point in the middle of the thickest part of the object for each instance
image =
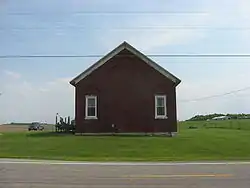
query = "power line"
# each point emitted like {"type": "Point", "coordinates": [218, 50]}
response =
{"type": "Point", "coordinates": [150, 55]}
{"type": "Point", "coordinates": [47, 56]}
{"type": "Point", "coordinates": [108, 12]}
{"type": "Point", "coordinates": [215, 96]}
{"type": "Point", "coordinates": [128, 28]}
{"type": "Point", "coordinates": [200, 55]}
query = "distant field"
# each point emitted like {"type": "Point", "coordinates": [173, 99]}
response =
{"type": "Point", "coordinates": [12, 128]}
{"type": "Point", "coordinates": [243, 124]}
{"type": "Point", "coordinates": [20, 128]}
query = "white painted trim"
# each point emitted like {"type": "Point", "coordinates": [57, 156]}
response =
{"type": "Point", "coordinates": [86, 106]}
{"type": "Point", "coordinates": [165, 107]}
{"type": "Point", "coordinates": [91, 117]}
{"type": "Point", "coordinates": [50, 162]}
{"type": "Point", "coordinates": [117, 50]}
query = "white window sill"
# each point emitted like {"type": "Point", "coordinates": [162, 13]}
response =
{"type": "Point", "coordinates": [90, 117]}
{"type": "Point", "coordinates": [161, 117]}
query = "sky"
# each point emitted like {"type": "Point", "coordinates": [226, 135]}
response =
{"type": "Point", "coordinates": [35, 89]}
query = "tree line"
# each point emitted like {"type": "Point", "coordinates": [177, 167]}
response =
{"type": "Point", "coordinates": [211, 116]}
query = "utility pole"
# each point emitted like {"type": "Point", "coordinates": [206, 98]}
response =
{"type": "Point", "coordinates": [56, 120]}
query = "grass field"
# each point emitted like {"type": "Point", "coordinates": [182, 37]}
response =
{"type": "Point", "coordinates": [227, 143]}
{"type": "Point", "coordinates": [243, 124]}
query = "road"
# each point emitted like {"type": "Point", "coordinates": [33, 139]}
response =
{"type": "Point", "coordinates": [46, 174]}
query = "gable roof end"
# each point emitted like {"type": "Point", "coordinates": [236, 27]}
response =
{"type": "Point", "coordinates": [117, 50]}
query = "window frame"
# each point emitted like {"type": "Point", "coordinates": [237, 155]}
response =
{"type": "Point", "coordinates": [87, 97]}
{"type": "Point", "coordinates": [165, 107]}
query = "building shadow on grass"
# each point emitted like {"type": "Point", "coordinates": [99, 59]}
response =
{"type": "Point", "coordinates": [124, 135]}
{"type": "Point", "coordinates": [61, 134]}
{"type": "Point", "coordinates": [48, 134]}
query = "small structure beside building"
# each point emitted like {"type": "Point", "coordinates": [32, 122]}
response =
{"type": "Point", "coordinates": [127, 92]}
{"type": "Point", "coordinates": [221, 118]}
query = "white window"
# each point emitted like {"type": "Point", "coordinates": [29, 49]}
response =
{"type": "Point", "coordinates": [160, 107]}
{"type": "Point", "coordinates": [91, 107]}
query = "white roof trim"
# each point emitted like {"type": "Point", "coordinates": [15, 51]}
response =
{"type": "Point", "coordinates": [117, 50]}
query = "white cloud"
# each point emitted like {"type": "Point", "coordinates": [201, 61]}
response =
{"type": "Point", "coordinates": [244, 13]}
{"type": "Point", "coordinates": [12, 74]}
{"type": "Point", "coordinates": [155, 31]}
{"type": "Point", "coordinates": [23, 101]}
{"type": "Point", "coordinates": [216, 14]}
{"type": "Point", "coordinates": [43, 89]}
{"type": "Point", "coordinates": [230, 14]}
{"type": "Point", "coordinates": [148, 40]}
{"type": "Point", "coordinates": [244, 9]}
{"type": "Point", "coordinates": [233, 103]}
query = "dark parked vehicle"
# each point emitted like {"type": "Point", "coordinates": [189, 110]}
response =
{"type": "Point", "coordinates": [36, 127]}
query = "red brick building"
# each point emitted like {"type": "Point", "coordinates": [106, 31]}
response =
{"type": "Point", "coordinates": [127, 91]}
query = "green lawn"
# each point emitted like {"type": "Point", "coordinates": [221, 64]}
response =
{"type": "Point", "coordinates": [190, 144]}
